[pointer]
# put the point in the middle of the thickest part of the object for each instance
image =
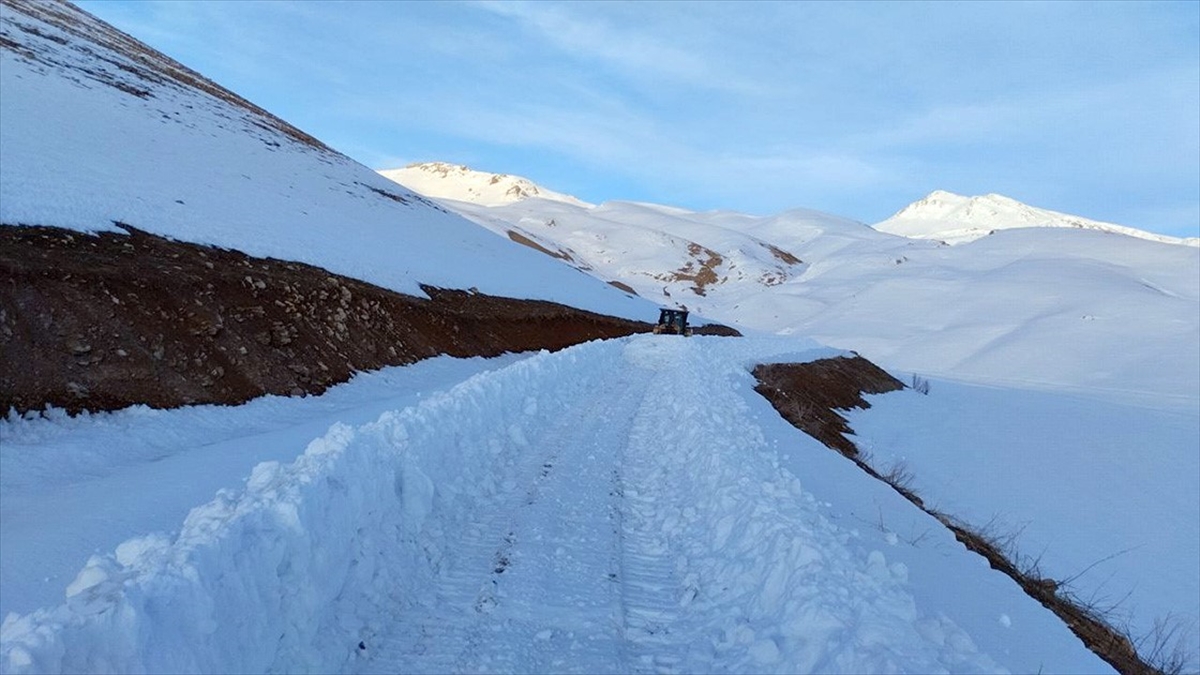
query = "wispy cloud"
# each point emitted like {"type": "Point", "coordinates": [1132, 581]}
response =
{"type": "Point", "coordinates": [626, 47]}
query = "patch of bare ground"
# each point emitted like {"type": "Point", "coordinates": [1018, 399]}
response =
{"type": "Point", "coordinates": [105, 321]}
{"type": "Point", "coordinates": [772, 278]}
{"type": "Point", "coordinates": [622, 286]}
{"type": "Point", "coordinates": [526, 241]}
{"type": "Point", "coordinates": [782, 255]}
{"type": "Point", "coordinates": [809, 395]}
{"type": "Point", "coordinates": [701, 272]}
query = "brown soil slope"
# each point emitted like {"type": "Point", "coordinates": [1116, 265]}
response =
{"type": "Point", "coordinates": [809, 394]}
{"type": "Point", "coordinates": [100, 322]}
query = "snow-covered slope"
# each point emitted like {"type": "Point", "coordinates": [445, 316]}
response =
{"type": "Point", "coordinates": [1103, 490]}
{"type": "Point", "coordinates": [96, 127]}
{"type": "Point", "coordinates": [956, 219]}
{"type": "Point", "coordinates": [457, 182]}
{"type": "Point", "coordinates": [1105, 327]}
{"type": "Point", "coordinates": [1043, 307]}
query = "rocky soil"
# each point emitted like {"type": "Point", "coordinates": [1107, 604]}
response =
{"type": "Point", "coordinates": [809, 395]}
{"type": "Point", "coordinates": [100, 322]}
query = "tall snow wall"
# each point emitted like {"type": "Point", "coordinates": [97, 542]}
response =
{"type": "Point", "coordinates": [286, 574]}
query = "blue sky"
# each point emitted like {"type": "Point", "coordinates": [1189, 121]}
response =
{"type": "Point", "coordinates": [853, 108]}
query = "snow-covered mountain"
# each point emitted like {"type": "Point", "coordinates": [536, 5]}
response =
{"type": "Point", "coordinates": [955, 219]}
{"type": "Point", "coordinates": [1072, 350]}
{"type": "Point", "coordinates": [1062, 307]}
{"type": "Point", "coordinates": [92, 117]}
{"type": "Point", "coordinates": [668, 254]}
{"type": "Point", "coordinates": [457, 182]}
{"type": "Point", "coordinates": [622, 505]}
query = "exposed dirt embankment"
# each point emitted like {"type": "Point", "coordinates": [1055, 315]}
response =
{"type": "Point", "coordinates": [101, 322]}
{"type": "Point", "coordinates": [809, 395]}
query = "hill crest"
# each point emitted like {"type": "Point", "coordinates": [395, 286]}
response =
{"type": "Point", "coordinates": [957, 219]}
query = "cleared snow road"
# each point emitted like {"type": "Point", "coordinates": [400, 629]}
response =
{"type": "Point", "coordinates": [534, 580]}
{"type": "Point", "coordinates": [645, 529]}
{"type": "Point", "coordinates": [620, 506]}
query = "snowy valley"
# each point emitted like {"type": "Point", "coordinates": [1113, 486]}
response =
{"type": "Point", "coordinates": [590, 498]}
{"type": "Point", "coordinates": [995, 310]}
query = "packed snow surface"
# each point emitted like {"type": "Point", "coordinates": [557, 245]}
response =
{"type": "Point", "coordinates": [628, 505]}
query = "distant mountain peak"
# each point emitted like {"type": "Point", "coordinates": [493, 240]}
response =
{"type": "Point", "coordinates": [442, 180]}
{"type": "Point", "coordinates": [957, 219]}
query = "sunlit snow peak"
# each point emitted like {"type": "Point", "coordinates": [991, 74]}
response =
{"type": "Point", "coordinates": [441, 180]}
{"type": "Point", "coordinates": [956, 219]}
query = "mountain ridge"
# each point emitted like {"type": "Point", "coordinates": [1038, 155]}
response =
{"type": "Point", "coordinates": [958, 219]}
{"type": "Point", "coordinates": [910, 303]}
{"type": "Point", "coordinates": [941, 215]}
{"type": "Point", "coordinates": [442, 180]}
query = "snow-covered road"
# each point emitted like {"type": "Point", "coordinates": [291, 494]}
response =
{"type": "Point", "coordinates": [532, 580]}
{"type": "Point", "coordinates": [620, 506]}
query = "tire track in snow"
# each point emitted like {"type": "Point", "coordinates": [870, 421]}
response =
{"type": "Point", "coordinates": [650, 529]}
{"type": "Point", "coordinates": [532, 584]}
{"type": "Point", "coordinates": [650, 582]}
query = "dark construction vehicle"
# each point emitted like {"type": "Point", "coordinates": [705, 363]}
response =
{"type": "Point", "coordinates": [673, 322]}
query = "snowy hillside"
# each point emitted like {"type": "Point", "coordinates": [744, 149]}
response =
{"type": "Point", "coordinates": [955, 219]}
{"type": "Point", "coordinates": [1064, 348]}
{"type": "Point", "coordinates": [1040, 307]}
{"type": "Point", "coordinates": [98, 128]}
{"type": "Point", "coordinates": [620, 505]}
{"type": "Point", "coordinates": [452, 181]}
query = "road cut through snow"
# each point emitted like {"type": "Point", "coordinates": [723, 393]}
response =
{"type": "Point", "coordinates": [71, 487]}
{"type": "Point", "coordinates": [620, 506]}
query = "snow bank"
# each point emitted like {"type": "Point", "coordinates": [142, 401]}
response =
{"type": "Point", "coordinates": [71, 486]}
{"type": "Point", "coordinates": [285, 574]}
